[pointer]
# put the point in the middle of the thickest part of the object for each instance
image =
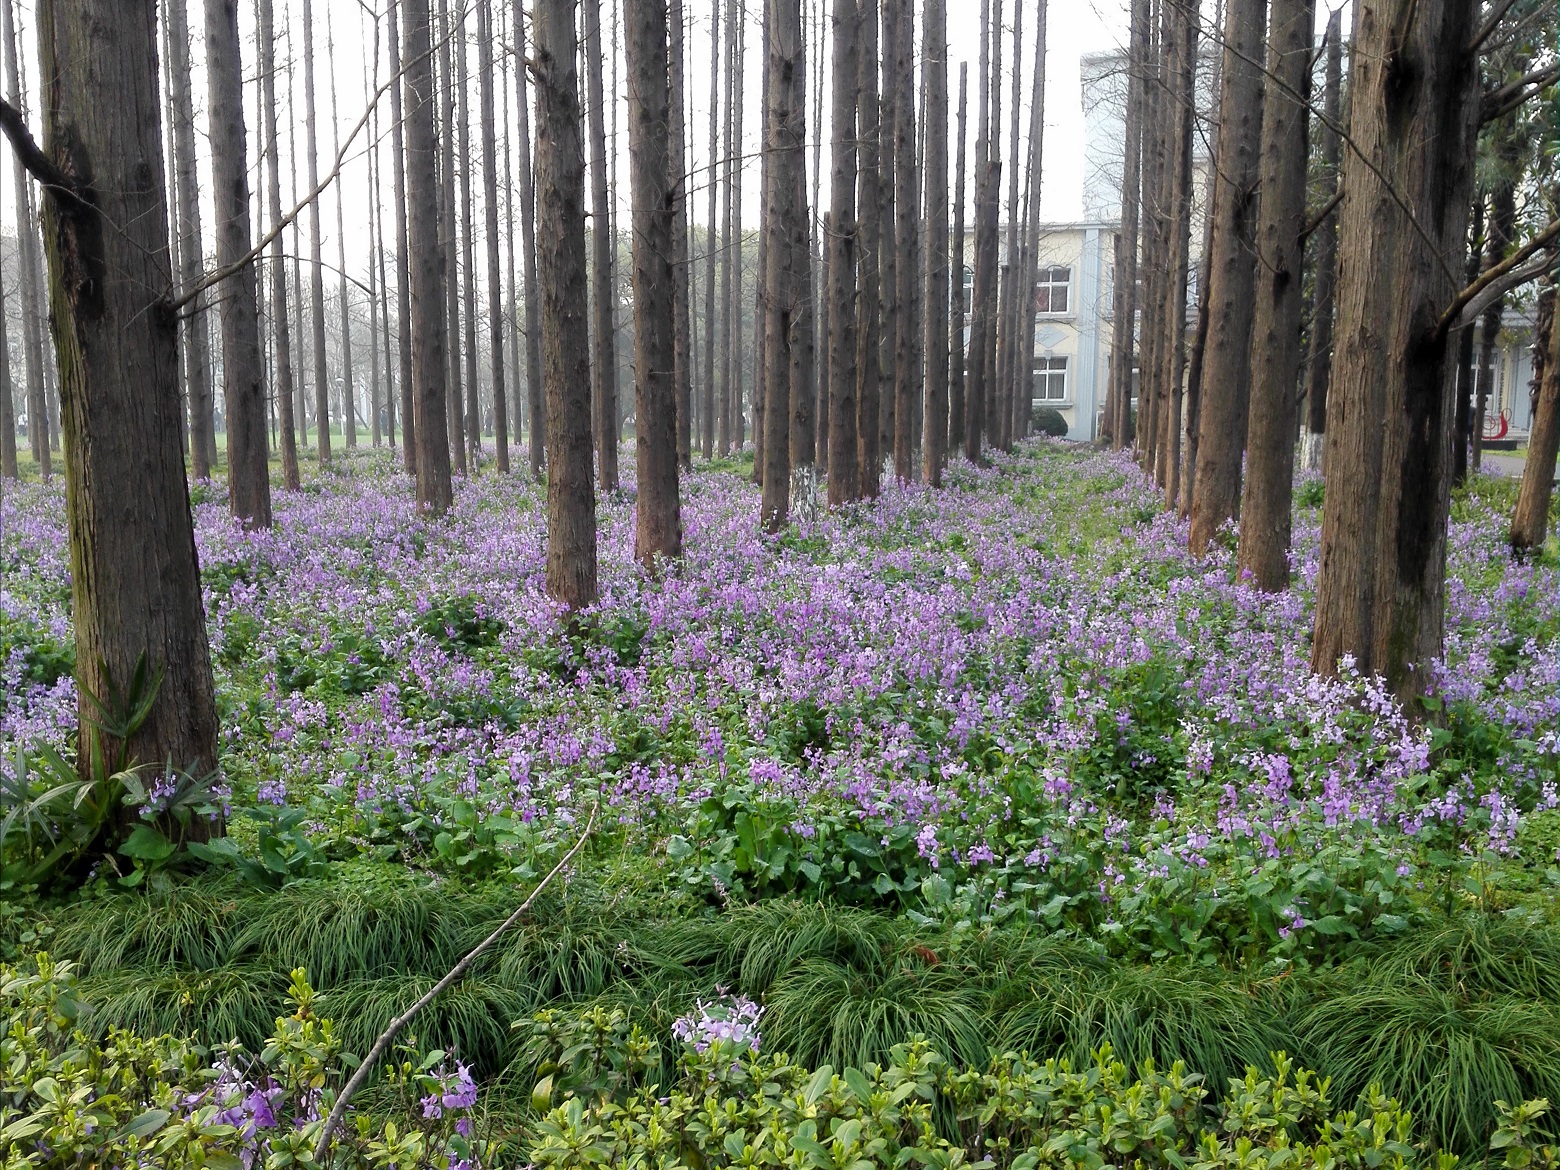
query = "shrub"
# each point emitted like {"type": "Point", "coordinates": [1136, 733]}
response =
{"type": "Point", "coordinates": [1049, 421]}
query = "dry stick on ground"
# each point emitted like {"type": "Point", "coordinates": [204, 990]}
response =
{"type": "Point", "coordinates": [389, 1034]}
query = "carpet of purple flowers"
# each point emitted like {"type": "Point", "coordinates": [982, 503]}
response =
{"type": "Point", "coordinates": [1017, 696]}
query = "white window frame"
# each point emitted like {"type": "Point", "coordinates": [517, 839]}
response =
{"type": "Point", "coordinates": [1045, 370]}
{"type": "Point", "coordinates": [1047, 281]}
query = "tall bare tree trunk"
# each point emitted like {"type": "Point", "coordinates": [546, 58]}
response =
{"type": "Point", "coordinates": [560, 181]}
{"type": "Point", "coordinates": [1194, 361]}
{"type": "Point", "coordinates": [1226, 381]}
{"type": "Point", "coordinates": [1379, 591]}
{"type": "Point", "coordinates": [135, 584]}
{"type": "Point", "coordinates": [243, 367]}
{"type": "Point", "coordinates": [512, 313]}
{"type": "Point", "coordinates": [348, 385]}
{"type": "Point", "coordinates": [403, 277]}
{"type": "Point", "coordinates": [27, 261]}
{"type": "Point", "coordinates": [1152, 272]}
{"type": "Point", "coordinates": [1462, 430]}
{"type": "Point", "coordinates": [711, 243]}
{"type": "Point", "coordinates": [197, 336]}
{"type": "Point", "coordinates": [495, 288]}
{"type": "Point", "coordinates": [1023, 416]}
{"type": "Point", "coordinates": [603, 297]}
{"type": "Point", "coordinates": [1275, 340]}
{"type": "Point", "coordinates": [934, 66]}
{"type": "Point", "coordinates": [8, 465]}
{"type": "Point", "coordinates": [984, 291]}
{"type": "Point", "coordinates": [956, 318]}
{"type": "Point", "coordinates": [803, 322]}
{"type": "Point", "coordinates": [322, 411]}
{"type": "Point", "coordinates": [682, 309]}
{"type": "Point", "coordinates": [869, 245]}
{"type": "Point", "coordinates": [657, 516]}
{"type": "Point", "coordinates": [449, 242]}
{"type": "Point", "coordinates": [1124, 322]}
{"type": "Point", "coordinates": [430, 367]}
{"type": "Point", "coordinates": [1530, 522]}
{"type": "Point", "coordinates": [899, 88]}
{"type": "Point", "coordinates": [844, 479]}
{"type": "Point", "coordinates": [761, 284]}
{"type": "Point", "coordinates": [534, 377]}
{"type": "Point", "coordinates": [280, 332]}
{"type": "Point", "coordinates": [1319, 365]}
{"type": "Point", "coordinates": [379, 413]}
{"type": "Point", "coordinates": [468, 254]}
{"type": "Point", "coordinates": [1503, 218]}
{"type": "Point", "coordinates": [1007, 332]}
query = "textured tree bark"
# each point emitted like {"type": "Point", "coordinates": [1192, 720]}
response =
{"type": "Point", "coordinates": [1530, 521]}
{"type": "Point", "coordinates": [657, 516]}
{"type": "Point", "coordinates": [1007, 333]}
{"type": "Point", "coordinates": [560, 174]}
{"type": "Point", "coordinates": [1275, 339]}
{"type": "Point", "coordinates": [1124, 324]}
{"type": "Point", "coordinates": [197, 335]}
{"type": "Point", "coordinates": [1194, 361]}
{"type": "Point", "coordinates": [1183, 63]}
{"type": "Point", "coordinates": [784, 130]}
{"type": "Point", "coordinates": [27, 260]}
{"type": "Point", "coordinates": [284, 384]}
{"type": "Point", "coordinates": [243, 366]}
{"type": "Point", "coordinates": [1462, 431]}
{"type": "Point", "coordinates": [495, 272]}
{"type": "Point", "coordinates": [1153, 270]}
{"type": "Point", "coordinates": [844, 477]}
{"type": "Point", "coordinates": [468, 258]}
{"type": "Point", "coordinates": [1379, 592]}
{"type": "Point", "coordinates": [934, 415]}
{"type": "Point", "coordinates": [322, 411]}
{"type": "Point", "coordinates": [533, 300]}
{"type": "Point", "coordinates": [602, 298]}
{"type": "Point", "coordinates": [135, 583]}
{"type": "Point", "coordinates": [900, 68]}
{"type": "Point", "coordinates": [1024, 411]}
{"type": "Point", "coordinates": [682, 308]}
{"type": "Point", "coordinates": [1225, 385]}
{"type": "Point", "coordinates": [711, 179]}
{"type": "Point", "coordinates": [430, 367]}
{"type": "Point", "coordinates": [449, 243]}
{"type": "Point", "coordinates": [869, 243]}
{"type": "Point", "coordinates": [803, 437]}
{"type": "Point", "coordinates": [956, 317]}
{"type": "Point", "coordinates": [403, 276]}
{"type": "Point", "coordinates": [735, 333]}
{"type": "Point", "coordinates": [1319, 366]}
{"type": "Point", "coordinates": [982, 348]}
{"type": "Point", "coordinates": [761, 285]}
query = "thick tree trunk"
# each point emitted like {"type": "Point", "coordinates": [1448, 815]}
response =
{"type": "Point", "coordinates": [682, 308]}
{"type": "Point", "coordinates": [1275, 339]}
{"type": "Point", "coordinates": [711, 179]}
{"type": "Point", "coordinates": [403, 277]}
{"type": "Point", "coordinates": [934, 418]}
{"type": "Point", "coordinates": [1379, 592]}
{"type": "Point", "coordinates": [1319, 365]}
{"type": "Point", "coordinates": [495, 274]}
{"type": "Point", "coordinates": [603, 298]}
{"type": "Point", "coordinates": [322, 411]}
{"type": "Point", "coordinates": [243, 366]}
{"type": "Point", "coordinates": [844, 481]}
{"type": "Point", "coordinates": [560, 180]}
{"type": "Point", "coordinates": [280, 332]}
{"type": "Point", "coordinates": [783, 133]}
{"type": "Point", "coordinates": [869, 242]}
{"type": "Point", "coordinates": [135, 583]}
{"type": "Point", "coordinates": [956, 317]}
{"type": "Point", "coordinates": [1530, 522]}
{"type": "Point", "coordinates": [197, 336]}
{"type": "Point", "coordinates": [1225, 385]}
{"type": "Point", "coordinates": [657, 516]}
{"type": "Point", "coordinates": [534, 377]}
{"type": "Point", "coordinates": [430, 367]}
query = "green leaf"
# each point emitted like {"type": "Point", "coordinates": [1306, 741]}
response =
{"type": "Point", "coordinates": [147, 1123]}
{"type": "Point", "coordinates": [146, 844]}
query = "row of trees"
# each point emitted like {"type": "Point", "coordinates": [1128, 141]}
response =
{"type": "Point", "coordinates": [1446, 109]}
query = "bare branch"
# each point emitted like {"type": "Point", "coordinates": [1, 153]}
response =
{"type": "Point", "coordinates": [1491, 23]}
{"type": "Point", "coordinates": [1317, 220]}
{"type": "Point", "coordinates": [40, 165]}
{"type": "Point", "coordinates": [1455, 312]}
{"type": "Point", "coordinates": [1513, 94]}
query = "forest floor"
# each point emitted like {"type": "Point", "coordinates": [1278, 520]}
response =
{"type": "Point", "coordinates": [998, 764]}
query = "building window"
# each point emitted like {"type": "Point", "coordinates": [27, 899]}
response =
{"type": "Point", "coordinates": [1050, 380]}
{"type": "Point", "coordinates": [1051, 293]}
{"type": "Point", "coordinates": [967, 284]}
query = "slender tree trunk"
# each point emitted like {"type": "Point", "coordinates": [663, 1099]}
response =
{"type": "Point", "coordinates": [1530, 522]}
{"type": "Point", "coordinates": [803, 437]}
{"type": "Point", "coordinates": [1173, 361]}
{"type": "Point", "coordinates": [518, 418]}
{"type": "Point", "coordinates": [761, 289]}
{"type": "Point", "coordinates": [657, 516]}
{"type": "Point", "coordinates": [1462, 434]}
{"type": "Point", "coordinates": [322, 411]}
{"type": "Point", "coordinates": [956, 319]}
{"type": "Point", "coordinates": [135, 583]}
{"type": "Point", "coordinates": [403, 278]}
{"type": "Point", "coordinates": [682, 309]}
{"type": "Point", "coordinates": [711, 178]}
{"type": "Point", "coordinates": [449, 243]}
{"type": "Point", "coordinates": [8, 466]}
{"type": "Point", "coordinates": [243, 367]}
{"type": "Point", "coordinates": [468, 251]}
{"type": "Point", "coordinates": [1379, 592]}
{"type": "Point", "coordinates": [534, 376]}
{"type": "Point", "coordinates": [1124, 322]}
{"type": "Point", "coordinates": [783, 133]}
{"type": "Point", "coordinates": [1503, 217]}
{"type": "Point", "coordinates": [1026, 381]}
{"type": "Point", "coordinates": [603, 297]}
{"type": "Point", "coordinates": [844, 479]}
{"type": "Point", "coordinates": [1319, 365]}
{"type": "Point", "coordinates": [375, 213]}
{"type": "Point", "coordinates": [1225, 387]}
{"type": "Point", "coordinates": [430, 367]}
{"type": "Point", "coordinates": [900, 68]}
{"type": "Point", "coordinates": [560, 175]}
{"type": "Point", "coordinates": [197, 337]}
{"type": "Point", "coordinates": [934, 417]}
{"type": "Point", "coordinates": [348, 385]}
{"type": "Point", "coordinates": [1275, 341]}
{"type": "Point", "coordinates": [888, 251]}
{"type": "Point", "coordinates": [983, 292]}
{"type": "Point", "coordinates": [280, 332]}
{"type": "Point", "coordinates": [495, 278]}
{"type": "Point", "coordinates": [1151, 272]}
{"type": "Point", "coordinates": [27, 261]}
{"type": "Point", "coordinates": [869, 243]}
{"type": "Point", "coordinates": [1194, 362]}
{"type": "Point", "coordinates": [1008, 353]}
{"type": "Point", "coordinates": [729, 322]}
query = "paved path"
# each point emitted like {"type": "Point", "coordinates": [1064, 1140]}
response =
{"type": "Point", "coordinates": [1510, 465]}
